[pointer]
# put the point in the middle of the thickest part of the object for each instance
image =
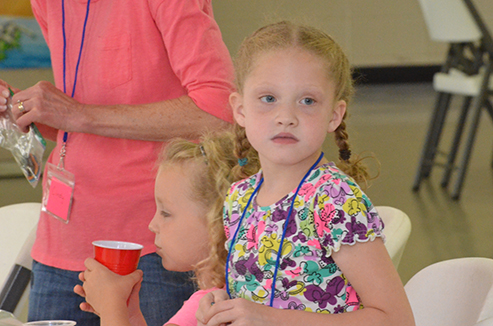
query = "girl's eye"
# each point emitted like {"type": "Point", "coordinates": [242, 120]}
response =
{"type": "Point", "coordinates": [307, 101]}
{"type": "Point", "coordinates": [268, 99]}
{"type": "Point", "coordinates": [165, 214]}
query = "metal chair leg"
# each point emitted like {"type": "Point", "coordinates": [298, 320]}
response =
{"type": "Point", "coordinates": [444, 104]}
{"type": "Point", "coordinates": [432, 139]}
{"type": "Point", "coordinates": [489, 109]}
{"type": "Point", "coordinates": [482, 101]}
{"type": "Point", "coordinates": [467, 151]}
{"type": "Point", "coordinates": [449, 167]}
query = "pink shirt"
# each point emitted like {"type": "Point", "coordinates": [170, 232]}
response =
{"type": "Point", "coordinates": [134, 52]}
{"type": "Point", "coordinates": [186, 315]}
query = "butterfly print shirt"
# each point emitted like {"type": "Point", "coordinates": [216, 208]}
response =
{"type": "Point", "coordinates": [330, 210]}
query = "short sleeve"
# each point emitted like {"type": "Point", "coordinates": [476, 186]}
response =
{"type": "Point", "coordinates": [186, 315]}
{"type": "Point", "coordinates": [343, 215]}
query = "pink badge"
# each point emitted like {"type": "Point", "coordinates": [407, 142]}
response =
{"type": "Point", "coordinates": [59, 199]}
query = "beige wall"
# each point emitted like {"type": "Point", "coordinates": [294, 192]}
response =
{"type": "Point", "coordinates": [372, 32]}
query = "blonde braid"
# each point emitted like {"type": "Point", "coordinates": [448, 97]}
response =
{"type": "Point", "coordinates": [354, 166]}
{"type": "Point", "coordinates": [341, 137]}
{"type": "Point", "coordinates": [244, 151]}
{"type": "Point", "coordinates": [215, 183]}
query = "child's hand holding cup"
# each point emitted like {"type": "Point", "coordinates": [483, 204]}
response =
{"type": "Point", "coordinates": [120, 257]}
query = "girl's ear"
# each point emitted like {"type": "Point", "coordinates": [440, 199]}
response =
{"type": "Point", "coordinates": [337, 115]}
{"type": "Point", "coordinates": [236, 102]}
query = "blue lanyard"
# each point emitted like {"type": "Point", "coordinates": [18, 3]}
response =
{"type": "Point", "coordinates": [65, 135]}
{"type": "Point", "coordinates": [279, 251]}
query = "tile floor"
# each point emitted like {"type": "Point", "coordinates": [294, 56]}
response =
{"type": "Point", "coordinates": [391, 122]}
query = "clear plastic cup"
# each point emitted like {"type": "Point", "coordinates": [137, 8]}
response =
{"type": "Point", "coordinates": [51, 323]}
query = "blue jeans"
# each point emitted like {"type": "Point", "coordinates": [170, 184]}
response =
{"type": "Point", "coordinates": [161, 296]}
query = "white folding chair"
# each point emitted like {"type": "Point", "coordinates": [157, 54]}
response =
{"type": "Point", "coordinates": [397, 230]}
{"type": "Point", "coordinates": [17, 233]}
{"type": "Point", "coordinates": [456, 292]}
{"type": "Point", "coordinates": [467, 72]}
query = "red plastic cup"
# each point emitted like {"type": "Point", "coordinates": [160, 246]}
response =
{"type": "Point", "coordinates": [120, 257]}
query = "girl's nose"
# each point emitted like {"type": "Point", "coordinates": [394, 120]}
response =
{"type": "Point", "coordinates": [152, 224]}
{"type": "Point", "coordinates": [286, 115]}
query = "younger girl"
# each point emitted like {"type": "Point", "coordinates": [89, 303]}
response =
{"type": "Point", "coordinates": [302, 236]}
{"type": "Point", "coordinates": [190, 186]}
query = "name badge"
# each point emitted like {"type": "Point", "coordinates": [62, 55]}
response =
{"type": "Point", "coordinates": [58, 193]}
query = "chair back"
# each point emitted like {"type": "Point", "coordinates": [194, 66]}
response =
{"type": "Point", "coordinates": [397, 230]}
{"type": "Point", "coordinates": [450, 21]}
{"type": "Point", "coordinates": [17, 234]}
{"type": "Point", "coordinates": [454, 292]}
{"type": "Point", "coordinates": [16, 222]}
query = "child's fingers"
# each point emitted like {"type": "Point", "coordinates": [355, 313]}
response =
{"type": "Point", "coordinates": [137, 285]}
{"type": "Point", "coordinates": [81, 277]}
{"type": "Point", "coordinates": [211, 304]}
{"type": "Point", "coordinates": [137, 275]}
{"type": "Point", "coordinates": [92, 263]}
{"type": "Point", "coordinates": [205, 304]}
{"type": "Point", "coordinates": [219, 295]}
{"type": "Point", "coordinates": [84, 306]}
{"type": "Point", "coordinates": [220, 313]}
{"type": "Point", "coordinates": [78, 289]}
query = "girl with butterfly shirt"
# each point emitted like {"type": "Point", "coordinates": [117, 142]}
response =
{"type": "Point", "coordinates": [302, 235]}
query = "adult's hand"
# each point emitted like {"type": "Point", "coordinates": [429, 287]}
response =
{"type": "Point", "coordinates": [45, 104]}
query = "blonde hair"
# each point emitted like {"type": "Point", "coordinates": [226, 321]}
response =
{"type": "Point", "coordinates": [210, 185]}
{"type": "Point", "coordinates": [286, 35]}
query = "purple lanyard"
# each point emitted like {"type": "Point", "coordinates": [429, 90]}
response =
{"type": "Point", "coordinates": [63, 150]}
{"type": "Point", "coordinates": [65, 135]}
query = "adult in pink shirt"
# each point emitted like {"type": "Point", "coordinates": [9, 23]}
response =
{"type": "Point", "coordinates": [129, 75]}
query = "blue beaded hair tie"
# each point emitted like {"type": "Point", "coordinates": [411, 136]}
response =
{"type": "Point", "coordinates": [242, 161]}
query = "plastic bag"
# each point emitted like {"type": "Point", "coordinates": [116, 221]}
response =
{"type": "Point", "coordinates": [27, 148]}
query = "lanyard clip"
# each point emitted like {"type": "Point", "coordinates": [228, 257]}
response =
{"type": "Point", "coordinates": [63, 152]}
